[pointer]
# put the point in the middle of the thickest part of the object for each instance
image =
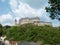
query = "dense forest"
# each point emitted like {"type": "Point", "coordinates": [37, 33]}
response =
{"type": "Point", "coordinates": [29, 32]}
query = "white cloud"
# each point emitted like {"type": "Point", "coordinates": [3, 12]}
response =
{"type": "Point", "coordinates": [13, 4]}
{"type": "Point", "coordinates": [5, 17]}
{"type": "Point", "coordinates": [56, 23]}
{"type": "Point", "coordinates": [24, 10]}
{"type": "Point", "coordinates": [7, 24]}
{"type": "Point", "coordinates": [21, 9]}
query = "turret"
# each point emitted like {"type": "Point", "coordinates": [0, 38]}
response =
{"type": "Point", "coordinates": [15, 22]}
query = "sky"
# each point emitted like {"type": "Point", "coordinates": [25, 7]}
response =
{"type": "Point", "coordinates": [16, 9]}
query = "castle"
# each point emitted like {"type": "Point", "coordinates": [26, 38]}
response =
{"type": "Point", "coordinates": [34, 20]}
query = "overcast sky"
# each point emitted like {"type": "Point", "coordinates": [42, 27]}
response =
{"type": "Point", "coordinates": [16, 9]}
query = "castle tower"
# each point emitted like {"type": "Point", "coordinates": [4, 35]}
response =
{"type": "Point", "coordinates": [15, 22]}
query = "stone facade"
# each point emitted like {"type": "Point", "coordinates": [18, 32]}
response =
{"type": "Point", "coordinates": [35, 21]}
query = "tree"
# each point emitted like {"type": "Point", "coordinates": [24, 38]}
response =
{"type": "Point", "coordinates": [7, 26]}
{"type": "Point", "coordinates": [32, 33]}
{"type": "Point", "coordinates": [0, 30]}
{"type": "Point", "coordinates": [54, 9]}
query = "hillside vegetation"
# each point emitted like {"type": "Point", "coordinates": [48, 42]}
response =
{"type": "Point", "coordinates": [29, 32]}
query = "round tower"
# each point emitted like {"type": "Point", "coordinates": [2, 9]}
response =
{"type": "Point", "coordinates": [15, 22]}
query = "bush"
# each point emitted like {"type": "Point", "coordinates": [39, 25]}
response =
{"type": "Point", "coordinates": [29, 32]}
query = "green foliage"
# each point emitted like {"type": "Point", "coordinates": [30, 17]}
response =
{"type": "Point", "coordinates": [0, 29]}
{"type": "Point", "coordinates": [54, 9]}
{"type": "Point", "coordinates": [29, 32]}
{"type": "Point", "coordinates": [3, 30]}
{"type": "Point", "coordinates": [7, 27]}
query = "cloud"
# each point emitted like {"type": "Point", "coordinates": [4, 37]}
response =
{"type": "Point", "coordinates": [6, 18]}
{"type": "Point", "coordinates": [22, 9]}
{"type": "Point", "coordinates": [25, 10]}
{"type": "Point", "coordinates": [7, 24]}
{"type": "Point", "coordinates": [13, 4]}
{"type": "Point", "coordinates": [55, 23]}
